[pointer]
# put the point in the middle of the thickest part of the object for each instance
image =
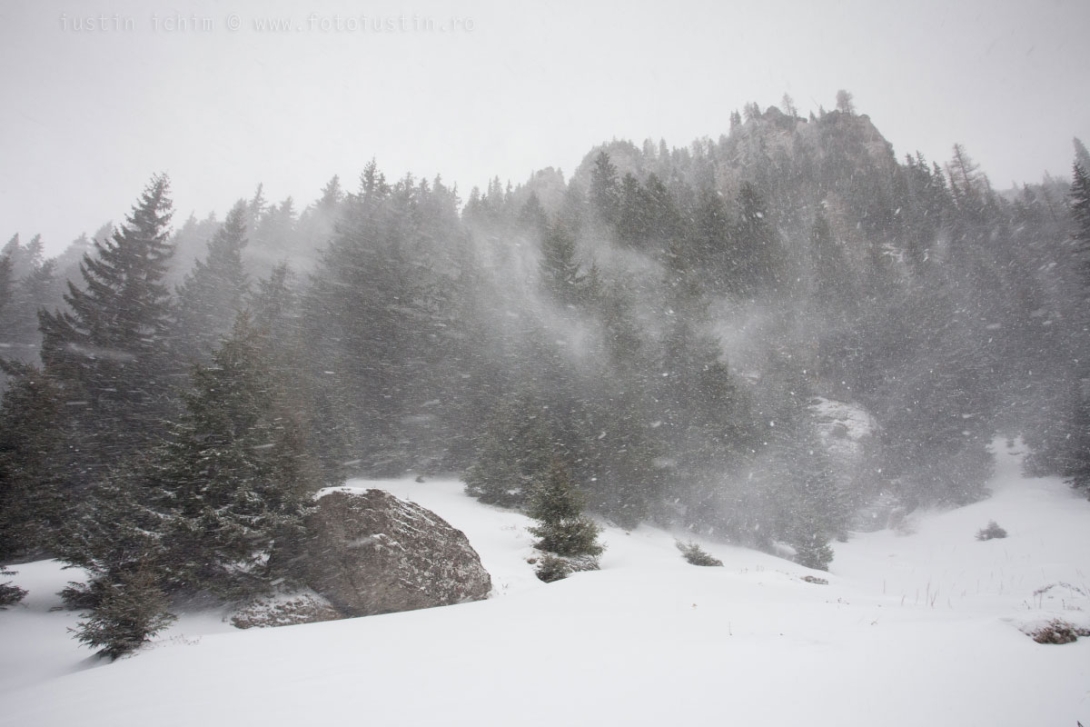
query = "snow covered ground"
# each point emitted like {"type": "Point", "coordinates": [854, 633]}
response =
{"type": "Point", "coordinates": [916, 627]}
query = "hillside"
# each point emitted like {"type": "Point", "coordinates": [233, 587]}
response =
{"type": "Point", "coordinates": [918, 625]}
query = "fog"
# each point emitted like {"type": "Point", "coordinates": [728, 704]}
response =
{"type": "Point", "coordinates": [101, 96]}
{"type": "Point", "coordinates": [761, 322]}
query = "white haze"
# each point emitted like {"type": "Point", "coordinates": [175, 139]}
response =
{"type": "Point", "coordinates": [506, 89]}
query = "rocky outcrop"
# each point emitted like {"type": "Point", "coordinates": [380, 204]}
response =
{"type": "Point", "coordinates": [849, 438]}
{"type": "Point", "coordinates": [369, 553]}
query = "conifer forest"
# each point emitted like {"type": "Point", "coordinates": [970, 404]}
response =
{"type": "Point", "coordinates": [657, 336]}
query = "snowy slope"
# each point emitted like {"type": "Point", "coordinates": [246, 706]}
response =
{"type": "Point", "coordinates": [914, 628]}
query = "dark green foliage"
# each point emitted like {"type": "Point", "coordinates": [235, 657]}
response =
{"type": "Point", "coordinates": [380, 322]}
{"type": "Point", "coordinates": [695, 555]}
{"type": "Point", "coordinates": [708, 252]}
{"type": "Point", "coordinates": [557, 505]}
{"type": "Point", "coordinates": [6, 284]}
{"type": "Point", "coordinates": [234, 481]}
{"type": "Point", "coordinates": [1080, 213]}
{"type": "Point", "coordinates": [214, 291]}
{"type": "Point", "coordinates": [9, 594]}
{"type": "Point", "coordinates": [130, 608]}
{"type": "Point", "coordinates": [649, 219]}
{"type": "Point", "coordinates": [551, 568]}
{"type": "Point", "coordinates": [605, 192]}
{"type": "Point", "coordinates": [813, 553]}
{"type": "Point", "coordinates": [1077, 461]}
{"type": "Point", "coordinates": [512, 453]}
{"type": "Point", "coordinates": [756, 257]}
{"type": "Point", "coordinates": [32, 504]}
{"type": "Point", "coordinates": [116, 524]}
{"type": "Point", "coordinates": [832, 288]}
{"type": "Point", "coordinates": [532, 217]}
{"type": "Point", "coordinates": [560, 275]}
{"type": "Point", "coordinates": [27, 283]}
{"type": "Point", "coordinates": [110, 351]}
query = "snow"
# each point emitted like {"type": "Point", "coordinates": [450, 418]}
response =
{"type": "Point", "coordinates": [843, 427]}
{"type": "Point", "coordinates": [916, 626]}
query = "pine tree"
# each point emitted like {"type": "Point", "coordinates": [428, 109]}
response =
{"type": "Point", "coordinates": [332, 194]}
{"type": "Point", "coordinates": [532, 218]}
{"type": "Point", "coordinates": [560, 274]}
{"type": "Point", "coordinates": [1080, 214]}
{"type": "Point", "coordinates": [512, 453]}
{"type": "Point", "coordinates": [234, 481]}
{"type": "Point", "coordinates": [32, 504]}
{"type": "Point", "coordinates": [634, 213]}
{"type": "Point", "coordinates": [7, 283]}
{"type": "Point", "coordinates": [1077, 460]}
{"type": "Point", "coordinates": [9, 594]}
{"type": "Point", "coordinates": [707, 250]}
{"type": "Point", "coordinates": [605, 192]}
{"type": "Point", "coordinates": [110, 352]}
{"type": "Point", "coordinates": [130, 608]}
{"type": "Point", "coordinates": [755, 251]}
{"type": "Point", "coordinates": [816, 511]}
{"type": "Point", "coordinates": [557, 505]}
{"type": "Point", "coordinates": [831, 283]}
{"type": "Point", "coordinates": [214, 291]}
{"type": "Point", "coordinates": [968, 185]}
{"type": "Point", "coordinates": [274, 305]}
{"type": "Point", "coordinates": [26, 285]}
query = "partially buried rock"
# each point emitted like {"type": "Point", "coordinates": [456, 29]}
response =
{"type": "Point", "coordinates": [284, 610]}
{"type": "Point", "coordinates": [369, 553]}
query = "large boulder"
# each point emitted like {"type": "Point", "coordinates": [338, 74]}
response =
{"type": "Point", "coordinates": [369, 553]}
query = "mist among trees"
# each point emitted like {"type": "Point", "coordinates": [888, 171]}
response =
{"type": "Point", "coordinates": [664, 331]}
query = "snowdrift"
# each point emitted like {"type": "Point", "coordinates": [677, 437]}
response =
{"type": "Point", "coordinates": [924, 625]}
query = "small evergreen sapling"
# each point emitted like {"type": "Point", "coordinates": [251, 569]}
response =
{"type": "Point", "coordinates": [696, 555]}
{"type": "Point", "coordinates": [131, 608]}
{"type": "Point", "coordinates": [551, 568]}
{"type": "Point", "coordinates": [813, 553]}
{"type": "Point", "coordinates": [9, 594]}
{"type": "Point", "coordinates": [235, 480]}
{"type": "Point", "coordinates": [557, 504]}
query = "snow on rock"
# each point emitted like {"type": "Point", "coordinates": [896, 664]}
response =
{"type": "Point", "coordinates": [848, 433]}
{"type": "Point", "coordinates": [369, 553]}
{"type": "Point", "coordinates": [285, 609]}
{"type": "Point", "coordinates": [844, 428]}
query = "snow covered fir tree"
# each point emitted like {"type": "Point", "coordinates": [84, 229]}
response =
{"type": "Point", "coordinates": [659, 337]}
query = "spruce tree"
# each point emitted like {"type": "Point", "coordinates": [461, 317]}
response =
{"type": "Point", "coordinates": [605, 192]}
{"type": "Point", "coordinates": [215, 290]}
{"type": "Point", "coordinates": [7, 284]}
{"type": "Point", "coordinates": [816, 510]}
{"type": "Point", "coordinates": [9, 594]}
{"type": "Point", "coordinates": [1080, 214]}
{"type": "Point", "coordinates": [560, 274]}
{"type": "Point", "coordinates": [557, 504]}
{"type": "Point", "coordinates": [130, 608]}
{"type": "Point", "coordinates": [755, 249]}
{"type": "Point", "coordinates": [234, 481]}
{"type": "Point", "coordinates": [1077, 459]}
{"type": "Point", "coordinates": [512, 453]}
{"type": "Point", "coordinates": [110, 351]}
{"type": "Point", "coordinates": [832, 289]}
{"type": "Point", "coordinates": [32, 503]}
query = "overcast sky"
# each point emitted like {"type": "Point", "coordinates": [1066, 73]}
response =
{"type": "Point", "coordinates": [99, 95]}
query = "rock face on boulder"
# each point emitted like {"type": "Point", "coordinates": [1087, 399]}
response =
{"type": "Point", "coordinates": [369, 553]}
